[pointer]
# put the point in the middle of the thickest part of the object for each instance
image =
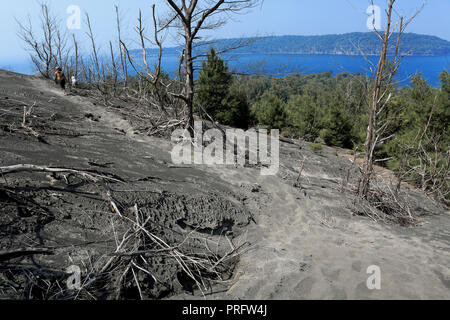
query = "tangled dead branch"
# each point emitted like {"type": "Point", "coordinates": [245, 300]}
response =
{"type": "Point", "coordinates": [131, 269]}
{"type": "Point", "coordinates": [130, 265]}
{"type": "Point", "coordinates": [387, 204]}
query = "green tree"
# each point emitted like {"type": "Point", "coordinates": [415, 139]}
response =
{"type": "Point", "coordinates": [235, 110]}
{"type": "Point", "coordinates": [442, 117]}
{"type": "Point", "coordinates": [224, 101]}
{"type": "Point", "coordinates": [304, 115]}
{"type": "Point", "coordinates": [270, 111]}
{"type": "Point", "coordinates": [337, 128]}
{"type": "Point", "coordinates": [213, 84]}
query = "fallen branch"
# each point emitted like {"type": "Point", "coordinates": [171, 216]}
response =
{"type": "Point", "coordinates": [300, 171]}
{"type": "Point", "coordinates": [35, 168]}
{"type": "Point", "coordinates": [10, 254]}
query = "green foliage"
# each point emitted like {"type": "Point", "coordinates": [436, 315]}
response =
{"type": "Point", "coordinates": [441, 120]}
{"type": "Point", "coordinates": [304, 115]}
{"type": "Point", "coordinates": [270, 111]}
{"type": "Point", "coordinates": [419, 150]}
{"type": "Point", "coordinates": [337, 128]}
{"type": "Point", "coordinates": [214, 92]}
{"type": "Point", "coordinates": [315, 105]}
{"type": "Point", "coordinates": [213, 83]}
{"type": "Point", "coordinates": [235, 111]}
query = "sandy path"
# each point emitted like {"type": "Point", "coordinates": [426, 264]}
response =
{"type": "Point", "coordinates": [303, 251]}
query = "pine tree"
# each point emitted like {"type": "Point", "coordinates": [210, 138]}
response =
{"type": "Point", "coordinates": [337, 128]}
{"type": "Point", "coordinates": [215, 93]}
{"type": "Point", "coordinates": [270, 111]}
{"type": "Point", "coordinates": [213, 84]}
{"type": "Point", "coordinates": [304, 116]}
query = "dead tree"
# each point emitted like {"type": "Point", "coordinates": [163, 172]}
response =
{"type": "Point", "coordinates": [41, 47]}
{"type": "Point", "coordinates": [191, 18]}
{"type": "Point", "coordinates": [114, 69]}
{"type": "Point", "coordinates": [91, 37]}
{"type": "Point", "coordinates": [381, 95]}
{"type": "Point", "coordinates": [123, 62]}
{"type": "Point", "coordinates": [152, 74]}
{"type": "Point", "coordinates": [62, 51]}
{"type": "Point", "coordinates": [98, 71]}
{"type": "Point", "coordinates": [75, 64]}
{"type": "Point", "coordinates": [152, 89]}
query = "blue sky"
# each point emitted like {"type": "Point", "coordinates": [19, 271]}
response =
{"type": "Point", "coordinates": [275, 17]}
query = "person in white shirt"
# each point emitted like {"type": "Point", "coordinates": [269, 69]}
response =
{"type": "Point", "coordinates": [74, 82]}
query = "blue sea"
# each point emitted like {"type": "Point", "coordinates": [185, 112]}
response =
{"type": "Point", "coordinates": [283, 64]}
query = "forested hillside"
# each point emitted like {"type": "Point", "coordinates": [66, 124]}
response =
{"type": "Point", "coordinates": [349, 44]}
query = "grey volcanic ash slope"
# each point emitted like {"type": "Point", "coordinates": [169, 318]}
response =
{"type": "Point", "coordinates": [138, 227]}
{"type": "Point", "coordinates": [71, 213]}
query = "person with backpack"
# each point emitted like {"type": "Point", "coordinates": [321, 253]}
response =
{"type": "Point", "coordinates": [60, 78]}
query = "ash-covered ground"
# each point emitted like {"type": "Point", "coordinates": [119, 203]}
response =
{"type": "Point", "coordinates": [139, 227]}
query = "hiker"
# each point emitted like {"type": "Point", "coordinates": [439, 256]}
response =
{"type": "Point", "coordinates": [60, 78]}
{"type": "Point", "coordinates": [74, 82]}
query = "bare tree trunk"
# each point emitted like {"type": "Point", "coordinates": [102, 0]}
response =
{"type": "Point", "coordinates": [192, 17]}
{"type": "Point", "coordinates": [75, 46]}
{"type": "Point", "coordinates": [381, 97]}
{"type": "Point", "coordinates": [189, 102]}
{"type": "Point", "coordinates": [97, 71]}
{"type": "Point", "coordinates": [49, 26]}
{"type": "Point", "coordinates": [185, 15]}
{"type": "Point", "coordinates": [370, 143]}
{"type": "Point", "coordinates": [123, 61]}
{"type": "Point", "coordinates": [114, 68]}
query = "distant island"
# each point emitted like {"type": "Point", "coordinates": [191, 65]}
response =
{"type": "Point", "coordinates": [356, 43]}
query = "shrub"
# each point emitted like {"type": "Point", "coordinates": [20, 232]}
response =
{"type": "Point", "coordinates": [304, 115]}
{"type": "Point", "coordinates": [270, 111]}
